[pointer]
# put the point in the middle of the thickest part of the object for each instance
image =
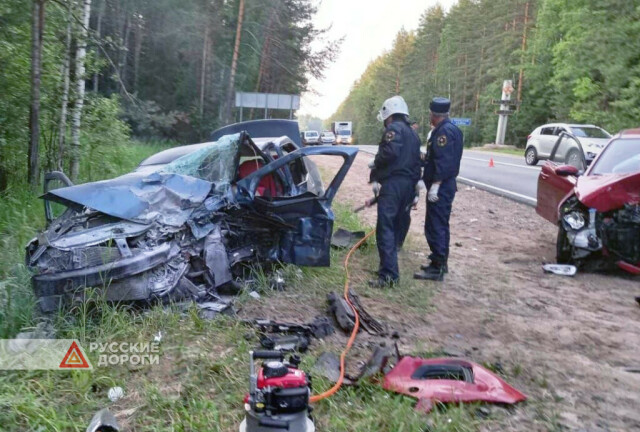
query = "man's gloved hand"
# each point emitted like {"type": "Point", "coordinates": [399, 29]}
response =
{"type": "Point", "coordinates": [432, 196]}
{"type": "Point", "coordinates": [375, 186]}
{"type": "Point", "coordinates": [372, 164]}
{"type": "Point", "coordinates": [419, 187]}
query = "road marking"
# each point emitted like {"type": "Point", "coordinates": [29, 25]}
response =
{"type": "Point", "coordinates": [502, 163]}
{"type": "Point", "coordinates": [499, 191]}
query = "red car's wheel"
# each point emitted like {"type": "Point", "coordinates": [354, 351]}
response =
{"type": "Point", "coordinates": [563, 247]}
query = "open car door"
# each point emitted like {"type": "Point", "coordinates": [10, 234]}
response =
{"type": "Point", "coordinates": [306, 211]}
{"type": "Point", "coordinates": [554, 183]}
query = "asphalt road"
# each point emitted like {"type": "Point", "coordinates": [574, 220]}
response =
{"type": "Point", "coordinates": [510, 176]}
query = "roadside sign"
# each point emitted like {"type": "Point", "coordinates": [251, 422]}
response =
{"type": "Point", "coordinates": [460, 121]}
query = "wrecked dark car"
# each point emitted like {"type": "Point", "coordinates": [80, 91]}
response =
{"type": "Point", "coordinates": [189, 220]}
{"type": "Point", "coordinates": [597, 210]}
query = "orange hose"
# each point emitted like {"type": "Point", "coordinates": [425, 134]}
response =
{"type": "Point", "coordinates": [356, 326]}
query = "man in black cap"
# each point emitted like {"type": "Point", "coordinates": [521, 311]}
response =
{"type": "Point", "coordinates": [394, 174]}
{"type": "Point", "coordinates": [442, 165]}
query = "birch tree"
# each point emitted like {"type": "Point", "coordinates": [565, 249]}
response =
{"type": "Point", "coordinates": [76, 115]}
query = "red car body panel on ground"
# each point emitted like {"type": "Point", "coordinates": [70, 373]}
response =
{"type": "Point", "coordinates": [411, 376]}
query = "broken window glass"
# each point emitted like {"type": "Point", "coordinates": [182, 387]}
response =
{"type": "Point", "coordinates": [215, 163]}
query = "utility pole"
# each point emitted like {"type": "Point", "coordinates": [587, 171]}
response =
{"type": "Point", "coordinates": [504, 112]}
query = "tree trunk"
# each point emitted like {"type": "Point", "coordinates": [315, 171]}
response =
{"type": "Point", "coordinates": [37, 29]}
{"type": "Point", "coordinates": [136, 51]}
{"type": "Point", "coordinates": [234, 62]}
{"type": "Point", "coordinates": [96, 75]}
{"type": "Point", "coordinates": [122, 64]}
{"type": "Point", "coordinates": [62, 125]}
{"type": "Point", "coordinates": [203, 71]}
{"type": "Point", "coordinates": [524, 47]}
{"type": "Point", "coordinates": [76, 115]}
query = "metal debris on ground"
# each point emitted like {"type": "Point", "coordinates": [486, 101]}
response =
{"type": "Point", "coordinates": [103, 421]}
{"type": "Point", "coordinates": [340, 309]}
{"type": "Point", "coordinates": [560, 269]}
{"type": "Point", "coordinates": [254, 294]}
{"type": "Point", "coordinates": [286, 343]}
{"type": "Point", "coordinates": [158, 338]}
{"type": "Point", "coordinates": [384, 357]}
{"type": "Point", "coordinates": [288, 337]}
{"type": "Point", "coordinates": [328, 366]}
{"type": "Point", "coordinates": [346, 239]}
{"type": "Point", "coordinates": [448, 380]}
{"type": "Point", "coordinates": [211, 309]}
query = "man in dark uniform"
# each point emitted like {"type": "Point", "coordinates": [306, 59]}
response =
{"type": "Point", "coordinates": [394, 173]}
{"type": "Point", "coordinates": [442, 165]}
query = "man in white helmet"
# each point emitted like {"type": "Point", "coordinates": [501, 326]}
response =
{"type": "Point", "coordinates": [394, 173]}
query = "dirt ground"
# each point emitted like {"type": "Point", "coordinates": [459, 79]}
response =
{"type": "Point", "coordinates": [567, 342]}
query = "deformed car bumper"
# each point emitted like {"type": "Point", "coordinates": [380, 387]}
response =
{"type": "Point", "coordinates": [49, 286]}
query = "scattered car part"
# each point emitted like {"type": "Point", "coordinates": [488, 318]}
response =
{"type": "Point", "coordinates": [319, 328]}
{"type": "Point", "coordinates": [342, 238]}
{"type": "Point", "coordinates": [339, 308]}
{"type": "Point", "coordinates": [278, 396]}
{"type": "Point", "coordinates": [187, 221]}
{"type": "Point", "coordinates": [211, 309]}
{"type": "Point", "coordinates": [448, 380]}
{"type": "Point", "coordinates": [382, 359]}
{"type": "Point", "coordinates": [287, 343]}
{"type": "Point", "coordinates": [328, 366]}
{"type": "Point", "coordinates": [560, 269]}
{"type": "Point", "coordinates": [103, 421]}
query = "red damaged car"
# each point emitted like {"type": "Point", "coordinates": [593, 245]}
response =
{"type": "Point", "coordinates": [597, 209]}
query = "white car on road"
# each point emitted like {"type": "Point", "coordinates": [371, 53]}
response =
{"type": "Point", "coordinates": [543, 138]}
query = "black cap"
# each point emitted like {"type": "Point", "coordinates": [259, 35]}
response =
{"type": "Point", "coordinates": [440, 105]}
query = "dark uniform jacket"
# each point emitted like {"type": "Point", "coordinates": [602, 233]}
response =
{"type": "Point", "coordinates": [444, 151]}
{"type": "Point", "coordinates": [398, 153]}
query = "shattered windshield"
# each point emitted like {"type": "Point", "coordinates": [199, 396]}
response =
{"type": "Point", "coordinates": [214, 163]}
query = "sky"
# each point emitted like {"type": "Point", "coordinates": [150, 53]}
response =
{"type": "Point", "coordinates": [369, 28]}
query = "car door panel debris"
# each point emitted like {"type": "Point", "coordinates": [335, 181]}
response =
{"type": "Point", "coordinates": [341, 311]}
{"type": "Point", "coordinates": [346, 239]}
{"type": "Point", "coordinates": [560, 269]}
{"type": "Point", "coordinates": [187, 222]}
{"type": "Point", "coordinates": [448, 380]}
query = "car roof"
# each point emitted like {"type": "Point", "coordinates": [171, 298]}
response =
{"type": "Point", "coordinates": [166, 156]}
{"type": "Point", "coordinates": [630, 133]}
{"type": "Point", "coordinates": [568, 124]}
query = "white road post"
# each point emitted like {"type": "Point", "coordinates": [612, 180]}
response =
{"type": "Point", "coordinates": [507, 89]}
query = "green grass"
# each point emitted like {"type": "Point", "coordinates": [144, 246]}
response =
{"type": "Point", "coordinates": [203, 371]}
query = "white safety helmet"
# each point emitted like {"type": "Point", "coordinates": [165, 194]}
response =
{"type": "Point", "coordinates": [393, 105]}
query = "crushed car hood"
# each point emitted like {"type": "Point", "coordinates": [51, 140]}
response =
{"type": "Point", "coordinates": [138, 197]}
{"type": "Point", "coordinates": [608, 192]}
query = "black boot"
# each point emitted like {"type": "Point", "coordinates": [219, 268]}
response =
{"type": "Point", "coordinates": [382, 283]}
{"type": "Point", "coordinates": [426, 267]}
{"type": "Point", "coordinates": [435, 272]}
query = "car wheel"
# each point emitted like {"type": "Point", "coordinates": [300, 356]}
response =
{"type": "Point", "coordinates": [531, 156]}
{"type": "Point", "coordinates": [563, 247]}
{"type": "Point", "coordinates": [573, 158]}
